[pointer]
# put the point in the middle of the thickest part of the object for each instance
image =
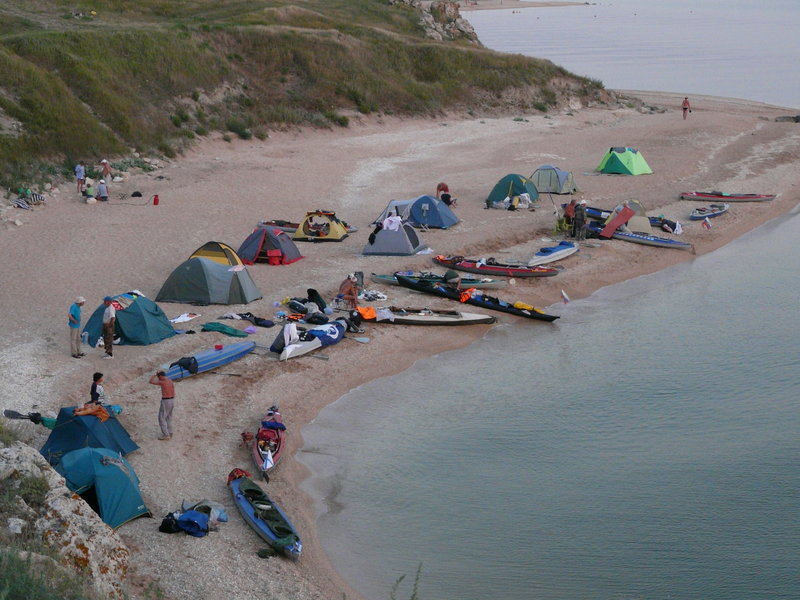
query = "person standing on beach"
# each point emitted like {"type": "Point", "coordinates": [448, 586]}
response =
{"type": "Point", "coordinates": [687, 108]}
{"type": "Point", "coordinates": [105, 167]}
{"type": "Point", "coordinates": [579, 220]}
{"type": "Point", "coordinates": [75, 327]}
{"type": "Point", "coordinates": [167, 403]}
{"type": "Point", "coordinates": [569, 217]}
{"type": "Point", "coordinates": [109, 324]}
{"type": "Point", "coordinates": [80, 176]}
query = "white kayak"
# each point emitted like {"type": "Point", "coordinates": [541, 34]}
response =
{"type": "Point", "coordinates": [550, 254]}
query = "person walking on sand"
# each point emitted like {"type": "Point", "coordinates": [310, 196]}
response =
{"type": "Point", "coordinates": [687, 108]}
{"type": "Point", "coordinates": [75, 327]}
{"type": "Point", "coordinates": [80, 176]}
{"type": "Point", "coordinates": [109, 324]}
{"type": "Point", "coordinates": [167, 403]}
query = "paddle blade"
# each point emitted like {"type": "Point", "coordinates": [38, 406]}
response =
{"type": "Point", "coordinates": [363, 340]}
{"type": "Point", "coordinates": [12, 414]}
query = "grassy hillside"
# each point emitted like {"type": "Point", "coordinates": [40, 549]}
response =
{"type": "Point", "coordinates": [81, 79]}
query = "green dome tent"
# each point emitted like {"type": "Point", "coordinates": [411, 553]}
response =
{"type": "Point", "coordinates": [552, 180]}
{"type": "Point", "coordinates": [205, 281]}
{"type": "Point", "coordinates": [624, 161]}
{"type": "Point", "coordinates": [509, 186]}
{"type": "Point", "coordinates": [140, 321]}
{"type": "Point", "coordinates": [106, 481]}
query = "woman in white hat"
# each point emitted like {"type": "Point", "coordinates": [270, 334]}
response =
{"type": "Point", "coordinates": [579, 221]}
{"type": "Point", "coordinates": [106, 169]}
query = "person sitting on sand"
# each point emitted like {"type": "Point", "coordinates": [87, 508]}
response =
{"type": "Point", "coordinates": [443, 194]}
{"type": "Point", "coordinates": [348, 291]}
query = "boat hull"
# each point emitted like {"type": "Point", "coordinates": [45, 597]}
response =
{"type": "Point", "coordinates": [496, 269]}
{"type": "Point", "coordinates": [715, 210]}
{"type": "Point", "coordinates": [550, 254]}
{"type": "Point", "coordinates": [642, 238]}
{"type": "Point", "coordinates": [483, 283]}
{"type": "Point", "coordinates": [211, 359]}
{"type": "Point", "coordinates": [706, 196]}
{"type": "Point", "coordinates": [426, 316]}
{"type": "Point", "coordinates": [246, 501]}
{"type": "Point", "coordinates": [267, 445]}
{"type": "Point", "coordinates": [480, 300]}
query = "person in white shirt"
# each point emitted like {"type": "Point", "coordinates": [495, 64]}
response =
{"type": "Point", "coordinates": [109, 324]}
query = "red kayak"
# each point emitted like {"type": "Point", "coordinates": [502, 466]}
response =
{"type": "Point", "coordinates": [492, 267]}
{"type": "Point", "coordinates": [267, 445]}
{"type": "Point", "coordinates": [706, 196]}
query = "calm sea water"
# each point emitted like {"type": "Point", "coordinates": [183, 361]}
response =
{"type": "Point", "coordinates": [731, 48]}
{"type": "Point", "coordinates": [645, 446]}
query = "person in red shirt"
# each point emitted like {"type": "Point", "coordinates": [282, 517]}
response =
{"type": "Point", "coordinates": [167, 403]}
{"type": "Point", "coordinates": [569, 215]}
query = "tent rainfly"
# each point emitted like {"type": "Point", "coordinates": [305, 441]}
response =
{"type": "Point", "coordinates": [624, 161]}
{"type": "Point", "coordinates": [218, 252]}
{"type": "Point", "coordinates": [510, 186]}
{"type": "Point", "coordinates": [205, 281]}
{"type": "Point", "coordinates": [269, 245]}
{"type": "Point", "coordinates": [139, 322]}
{"type": "Point", "coordinates": [402, 241]}
{"type": "Point", "coordinates": [552, 180]}
{"type": "Point", "coordinates": [106, 481]}
{"type": "Point", "coordinates": [425, 212]}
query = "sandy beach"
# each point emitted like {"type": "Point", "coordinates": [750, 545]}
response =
{"type": "Point", "coordinates": [220, 190]}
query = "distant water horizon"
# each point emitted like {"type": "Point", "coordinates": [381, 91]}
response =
{"type": "Point", "coordinates": [728, 48]}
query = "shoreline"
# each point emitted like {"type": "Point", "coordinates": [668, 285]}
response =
{"type": "Point", "coordinates": [218, 191]}
{"type": "Point", "coordinates": [472, 5]}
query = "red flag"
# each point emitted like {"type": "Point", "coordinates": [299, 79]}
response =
{"type": "Point", "coordinates": [706, 223]}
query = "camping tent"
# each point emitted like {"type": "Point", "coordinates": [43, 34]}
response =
{"type": "Point", "coordinates": [552, 180]}
{"type": "Point", "coordinates": [509, 186]}
{"type": "Point", "coordinates": [269, 245]}
{"type": "Point", "coordinates": [639, 222]}
{"type": "Point", "coordinates": [320, 226]}
{"type": "Point", "coordinates": [72, 432]}
{"type": "Point", "coordinates": [139, 321]}
{"type": "Point", "coordinates": [106, 481]}
{"type": "Point", "coordinates": [218, 252]}
{"type": "Point", "coordinates": [402, 241]}
{"type": "Point", "coordinates": [624, 161]}
{"type": "Point", "coordinates": [204, 281]}
{"type": "Point", "coordinates": [424, 211]}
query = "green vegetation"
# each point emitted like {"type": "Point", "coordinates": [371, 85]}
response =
{"type": "Point", "coordinates": [154, 74]}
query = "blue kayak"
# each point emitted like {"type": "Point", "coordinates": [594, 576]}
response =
{"type": "Point", "coordinates": [265, 517]}
{"type": "Point", "coordinates": [211, 359]}
{"type": "Point", "coordinates": [640, 238]}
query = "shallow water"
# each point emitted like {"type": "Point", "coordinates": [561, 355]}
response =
{"type": "Point", "coordinates": [644, 447]}
{"type": "Point", "coordinates": [730, 48]}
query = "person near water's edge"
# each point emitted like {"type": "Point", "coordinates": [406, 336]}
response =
{"type": "Point", "coordinates": [167, 403]}
{"type": "Point", "coordinates": [687, 108]}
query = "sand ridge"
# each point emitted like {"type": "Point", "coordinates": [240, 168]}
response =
{"type": "Point", "coordinates": [219, 191]}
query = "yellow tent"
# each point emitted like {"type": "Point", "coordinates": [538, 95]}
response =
{"type": "Point", "coordinates": [320, 226]}
{"type": "Point", "coordinates": [218, 252]}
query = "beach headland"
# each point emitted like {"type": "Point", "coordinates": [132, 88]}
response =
{"type": "Point", "coordinates": [220, 190]}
